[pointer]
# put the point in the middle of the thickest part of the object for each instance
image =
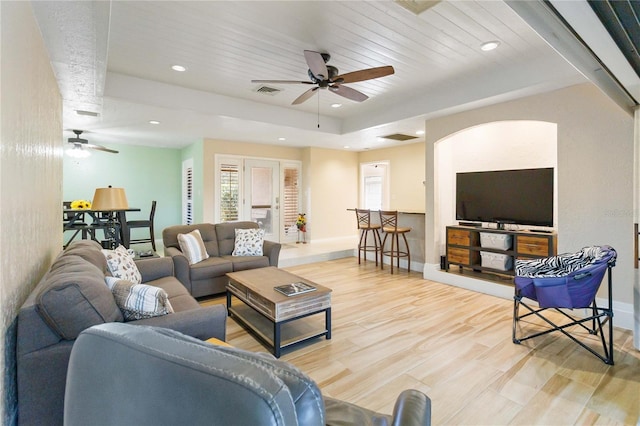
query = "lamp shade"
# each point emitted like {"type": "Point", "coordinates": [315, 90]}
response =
{"type": "Point", "coordinates": [105, 199]}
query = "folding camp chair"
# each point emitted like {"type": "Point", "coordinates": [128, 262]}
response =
{"type": "Point", "coordinates": [567, 281]}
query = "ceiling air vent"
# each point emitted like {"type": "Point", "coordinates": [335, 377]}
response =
{"type": "Point", "coordinates": [266, 90]}
{"type": "Point", "coordinates": [417, 6]}
{"type": "Point", "coordinates": [398, 137]}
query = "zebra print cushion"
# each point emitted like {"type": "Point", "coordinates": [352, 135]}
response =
{"type": "Point", "coordinates": [560, 265]}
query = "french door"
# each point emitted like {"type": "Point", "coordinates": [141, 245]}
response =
{"type": "Point", "coordinates": [261, 190]}
{"type": "Point", "coordinates": [262, 195]}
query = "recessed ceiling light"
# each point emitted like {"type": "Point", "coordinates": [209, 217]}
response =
{"type": "Point", "coordinates": [336, 105]}
{"type": "Point", "coordinates": [419, 132]}
{"type": "Point", "coordinates": [282, 139]}
{"type": "Point", "coordinates": [347, 147]}
{"type": "Point", "coordinates": [154, 122]}
{"type": "Point", "coordinates": [178, 68]}
{"type": "Point", "coordinates": [489, 45]}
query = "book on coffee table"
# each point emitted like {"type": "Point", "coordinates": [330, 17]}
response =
{"type": "Point", "coordinates": [294, 289]}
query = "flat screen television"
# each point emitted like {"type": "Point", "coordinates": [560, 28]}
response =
{"type": "Point", "coordinates": [523, 197]}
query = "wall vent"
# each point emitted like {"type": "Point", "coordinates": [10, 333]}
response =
{"type": "Point", "coordinates": [398, 137]}
{"type": "Point", "coordinates": [267, 90]}
{"type": "Point", "coordinates": [417, 6]}
{"type": "Point", "coordinates": [87, 113]}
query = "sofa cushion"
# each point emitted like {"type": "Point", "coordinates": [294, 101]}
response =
{"type": "Point", "coordinates": [178, 294]}
{"type": "Point", "coordinates": [248, 242]}
{"type": "Point", "coordinates": [207, 232]}
{"type": "Point", "coordinates": [242, 263]}
{"type": "Point", "coordinates": [192, 247]}
{"type": "Point", "coordinates": [121, 265]}
{"type": "Point", "coordinates": [211, 267]}
{"type": "Point", "coordinates": [137, 301]}
{"type": "Point", "coordinates": [226, 233]}
{"type": "Point", "coordinates": [74, 297]}
{"type": "Point", "coordinates": [90, 251]}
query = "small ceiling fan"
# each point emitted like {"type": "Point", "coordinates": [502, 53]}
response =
{"type": "Point", "coordinates": [80, 144]}
{"type": "Point", "coordinates": [327, 77]}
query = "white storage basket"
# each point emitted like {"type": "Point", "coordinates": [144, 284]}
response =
{"type": "Point", "coordinates": [495, 241]}
{"type": "Point", "coordinates": [498, 261]}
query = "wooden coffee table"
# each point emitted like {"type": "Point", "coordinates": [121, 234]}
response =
{"type": "Point", "coordinates": [264, 311]}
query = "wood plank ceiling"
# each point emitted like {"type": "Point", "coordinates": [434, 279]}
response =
{"type": "Point", "coordinates": [225, 44]}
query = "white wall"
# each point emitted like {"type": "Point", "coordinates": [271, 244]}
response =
{"type": "Point", "coordinates": [595, 174]}
{"type": "Point", "coordinates": [30, 177]}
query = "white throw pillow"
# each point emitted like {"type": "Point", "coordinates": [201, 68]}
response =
{"type": "Point", "coordinates": [192, 246]}
{"type": "Point", "coordinates": [137, 301]}
{"type": "Point", "coordinates": [248, 242]}
{"type": "Point", "coordinates": [121, 265]}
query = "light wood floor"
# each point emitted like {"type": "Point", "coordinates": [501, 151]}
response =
{"type": "Point", "coordinates": [396, 332]}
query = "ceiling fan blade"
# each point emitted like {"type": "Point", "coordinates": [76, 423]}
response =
{"type": "Point", "coordinates": [362, 75]}
{"type": "Point", "coordinates": [100, 148]}
{"type": "Point", "coordinates": [281, 82]}
{"type": "Point", "coordinates": [348, 93]}
{"type": "Point", "coordinates": [316, 64]}
{"type": "Point", "coordinates": [306, 95]}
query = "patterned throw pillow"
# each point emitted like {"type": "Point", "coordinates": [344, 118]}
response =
{"type": "Point", "coordinates": [121, 265]}
{"type": "Point", "coordinates": [138, 301]}
{"type": "Point", "coordinates": [248, 242]}
{"type": "Point", "coordinates": [192, 246]}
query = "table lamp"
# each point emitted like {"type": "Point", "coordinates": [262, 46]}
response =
{"type": "Point", "coordinates": [109, 199]}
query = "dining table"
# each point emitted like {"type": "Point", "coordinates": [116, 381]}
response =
{"type": "Point", "coordinates": [112, 222]}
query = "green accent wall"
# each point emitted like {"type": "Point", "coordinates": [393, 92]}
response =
{"type": "Point", "coordinates": [146, 174]}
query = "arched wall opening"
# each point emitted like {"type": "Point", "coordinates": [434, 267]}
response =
{"type": "Point", "coordinates": [501, 145]}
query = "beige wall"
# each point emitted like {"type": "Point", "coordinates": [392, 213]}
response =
{"type": "Point", "coordinates": [406, 173]}
{"type": "Point", "coordinates": [30, 176]}
{"type": "Point", "coordinates": [332, 188]}
{"type": "Point", "coordinates": [595, 170]}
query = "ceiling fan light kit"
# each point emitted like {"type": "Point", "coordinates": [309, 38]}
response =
{"type": "Point", "coordinates": [327, 77]}
{"type": "Point", "coordinates": [81, 145]}
{"type": "Point", "coordinates": [77, 152]}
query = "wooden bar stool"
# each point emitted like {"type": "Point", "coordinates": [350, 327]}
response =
{"type": "Point", "coordinates": [365, 226]}
{"type": "Point", "coordinates": [389, 222]}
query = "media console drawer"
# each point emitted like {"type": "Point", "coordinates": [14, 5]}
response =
{"type": "Point", "coordinates": [462, 256]}
{"type": "Point", "coordinates": [461, 237]}
{"type": "Point", "coordinates": [533, 245]}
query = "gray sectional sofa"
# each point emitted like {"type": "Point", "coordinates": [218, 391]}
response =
{"type": "Point", "coordinates": [73, 296]}
{"type": "Point", "coordinates": [208, 276]}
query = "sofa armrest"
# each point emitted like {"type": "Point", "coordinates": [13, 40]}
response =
{"type": "Point", "coordinates": [181, 266]}
{"type": "Point", "coordinates": [201, 323]}
{"type": "Point", "coordinates": [412, 408]}
{"type": "Point", "coordinates": [272, 251]}
{"type": "Point", "coordinates": [152, 269]}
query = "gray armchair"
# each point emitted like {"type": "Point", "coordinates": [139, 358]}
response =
{"type": "Point", "coordinates": [156, 376]}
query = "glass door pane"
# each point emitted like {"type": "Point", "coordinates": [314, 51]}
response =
{"type": "Point", "coordinates": [262, 195]}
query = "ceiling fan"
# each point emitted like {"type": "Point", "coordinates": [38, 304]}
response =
{"type": "Point", "coordinates": [327, 77]}
{"type": "Point", "coordinates": [80, 144]}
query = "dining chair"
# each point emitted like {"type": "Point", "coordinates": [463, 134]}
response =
{"type": "Point", "coordinates": [389, 222]}
{"type": "Point", "coordinates": [132, 224]}
{"type": "Point", "coordinates": [79, 226]}
{"type": "Point", "coordinates": [365, 226]}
